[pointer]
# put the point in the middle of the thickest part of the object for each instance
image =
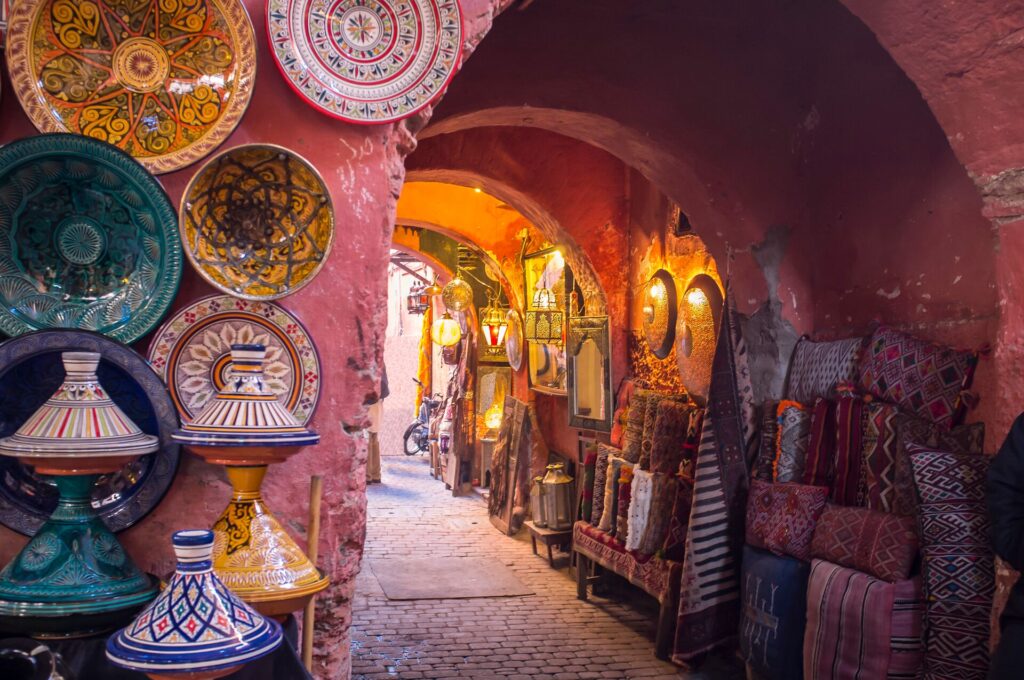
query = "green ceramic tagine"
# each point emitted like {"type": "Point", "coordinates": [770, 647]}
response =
{"type": "Point", "coordinates": [73, 577]}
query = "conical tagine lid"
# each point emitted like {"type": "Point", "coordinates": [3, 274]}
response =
{"type": "Point", "coordinates": [79, 420]}
{"type": "Point", "coordinates": [245, 412]}
{"type": "Point", "coordinates": [196, 625]}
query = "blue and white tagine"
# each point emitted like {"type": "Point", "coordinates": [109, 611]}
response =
{"type": "Point", "coordinates": [196, 627]}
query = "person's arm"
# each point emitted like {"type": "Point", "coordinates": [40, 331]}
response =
{"type": "Point", "coordinates": [1006, 497]}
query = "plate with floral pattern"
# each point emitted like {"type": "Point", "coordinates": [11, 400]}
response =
{"type": "Point", "coordinates": [192, 353]}
{"type": "Point", "coordinates": [366, 61]}
{"type": "Point", "coordinates": [164, 80]}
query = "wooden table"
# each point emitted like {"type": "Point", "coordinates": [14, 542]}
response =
{"type": "Point", "coordinates": [548, 537]}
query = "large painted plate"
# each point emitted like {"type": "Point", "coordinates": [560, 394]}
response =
{"type": "Point", "coordinates": [257, 222]}
{"type": "Point", "coordinates": [88, 239]}
{"type": "Point", "coordinates": [165, 80]}
{"type": "Point", "coordinates": [192, 353]}
{"type": "Point", "coordinates": [366, 61]}
{"type": "Point", "coordinates": [30, 371]}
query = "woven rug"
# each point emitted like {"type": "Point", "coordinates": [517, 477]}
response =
{"type": "Point", "coordinates": [709, 601]}
{"type": "Point", "coordinates": [443, 578]}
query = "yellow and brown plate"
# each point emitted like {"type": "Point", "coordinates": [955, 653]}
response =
{"type": "Point", "coordinates": [165, 80]}
{"type": "Point", "coordinates": [256, 222]}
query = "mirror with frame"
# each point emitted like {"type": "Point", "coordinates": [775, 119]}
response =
{"type": "Point", "coordinates": [659, 313]}
{"type": "Point", "coordinates": [547, 367]}
{"type": "Point", "coordinates": [589, 373]}
{"type": "Point", "coordinates": [514, 340]}
{"type": "Point", "coordinates": [700, 314]}
{"type": "Point", "coordinates": [493, 384]}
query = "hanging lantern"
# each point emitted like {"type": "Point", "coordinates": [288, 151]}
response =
{"type": "Point", "coordinates": [433, 289]}
{"type": "Point", "coordinates": [493, 415]}
{"type": "Point", "coordinates": [446, 331]}
{"type": "Point", "coordinates": [494, 325]}
{"type": "Point", "coordinates": [557, 498]}
{"type": "Point", "coordinates": [545, 298]}
{"type": "Point", "coordinates": [547, 328]}
{"type": "Point", "coordinates": [457, 295]}
{"type": "Point", "coordinates": [418, 300]}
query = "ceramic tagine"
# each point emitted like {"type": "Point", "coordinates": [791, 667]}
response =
{"type": "Point", "coordinates": [196, 628]}
{"type": "Point", "coordinates": [74, 577]}
{"type": "Point", "coordinates": [245, 428]}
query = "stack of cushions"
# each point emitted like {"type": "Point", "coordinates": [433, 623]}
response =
{"type": "Point", "coordinates": [841, 486]}
{"type": "Point", "coordinates": [671, 426]}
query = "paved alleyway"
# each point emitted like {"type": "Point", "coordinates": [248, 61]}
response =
{"type": "Point", "coordinates": [549, 634]}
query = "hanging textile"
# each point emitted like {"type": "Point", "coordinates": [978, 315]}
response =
{"type": "Point", "coordinates": [423, 369]}
{"type": "Point", "coordinates": [709, 601]}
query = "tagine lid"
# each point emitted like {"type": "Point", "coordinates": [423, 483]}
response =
{"type": "Point", "coordinates": [79, 421]}
{"type": "Point", "coordinates": [246, 412]}
{"type": "Point", "coordinates": [196, 624]}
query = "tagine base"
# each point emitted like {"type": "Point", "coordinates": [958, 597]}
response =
{"type": "Point", "coordinates": [246, 456]}
{"type": "Point", "coordinates": [202, 675]}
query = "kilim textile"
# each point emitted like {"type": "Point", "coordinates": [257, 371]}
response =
{"type": "Point", "coordinates": [794, 436]}
{"type": "Point", "coordinates": [647, 440]}
{"type": "Point", "coordinates": [663, 495]}
{"type": "Point", "coordinates": [764, 464]}
{"type": "Point", "coordinates": [622, 503]}
{"type": "Point", "coordinates": [774, 614]}
{"type": "Point", "coordinates": [604, 452]}
{"type": "Point", "coordinates": [709, 602]}
{"type": "Point", "coordinates": [849, 449]}
{"type": "Point", "coordinates": [912, 430]}
{"type": "Point", "coordinates": [587, 497]}
{"type": "Point", "coordinates": [611, 491]}
{"type": "Point", "coordinates": [879, 456]}
{"type": "Point", "coordinates": [877, 543]}
{"type": "Point", "coordinates": [817, 368]}
{"type": "Point", "coordinates": [634, 431]}
{"type": "Point", "coordinates": [821, 447]}
{"type": "Point", "coordinates": [654, 576]}
{"type": "Point", "coordinates": [619, 417]}
{"type": "Point", "coordinates": [908, 610]}
{"type": "Point", "coordinates": [671, 426]}
{"type": "Point", "coordinates": [782, 517]}
{"type": "Point", "coordinates": [958, 565]}
{"type": "Point", "coordinates": [850, 625]}
{"type": "Point", "coordinates": [641, 494]}
{"type": "Point", "coordinates": [924, 378]}
{"type": "Point", "coordinates": [678, 525]}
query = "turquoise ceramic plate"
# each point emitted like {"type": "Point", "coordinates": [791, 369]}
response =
{"type": "Point", "coordinates": [88, 239]}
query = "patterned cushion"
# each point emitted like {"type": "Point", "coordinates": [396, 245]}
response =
{"type": "Point", "coordinates": [818, 367]}
{"type": "Point", "coordinates": [634, 431]}
{"type": "Point", "coordinates": [604, 452]}
{"type": "Point", "coordinates": [879, 456]}
{"type": "Point", "coordinates": [774, 602]}
{"type": "Point", "coordinates": [765, 463]}
{"type": "Point", "coordinates": [959, 569]}
{"type": "Point", "coordinates": [794, 435]}
{"type": "Point", "coordinates": [611, 494]}
{"type": "Point", "coordinates": [851, 632]}
{"type": "Point", "coordinates": [622, 503]}
{"type": "Point", "coordinates": [923, 378]}
{"type": "Point", "coordinates": [782, 517]}
{"type": "Point", "coordinates": [671, 426]}
{"type": "Point", "coordinates": [877, 543]}
{"type": "Point", "coordinates": [849, 450]}
{"type": "Point", "coordinates": [663, 496]}
{"type": "Point", "coordinates": [908, 611]}
{"type": "Point", "coordinates": [587, 500]}
{"type": "Point", "coordinates": [968, 439]}
{"type": "Point", "coordinates": [679, 523]}
{"type": "Point", "coordinates": [821, 446]}
{"type": "Point", "coordinates": [641, 493]}
{"type": "Point", "coordinates": [619, 417]}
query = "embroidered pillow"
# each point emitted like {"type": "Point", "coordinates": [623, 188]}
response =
{"type": "Point", "coordinates": [849, 450]}
{"type": "Point", "coordinates": [622, 502]}
{"type": "Point", "coordinates": [634, 430]}
{"type": "Point", "coordinates": [854, 626]}
{"type": "Point", "coordinates": [619, 417]}
{"type": "Point", "coordinates": [959, 568]}
{"type": "Point", "coordinates": [764, 465]}
{"type": "Point", "coordinates": [663, 495]}
{"type": "Point", "coordinates": [817, 368]}
{"type": "Point", "coordinates": [679, 524]}
{"type": "Point", "coordinates": [879, 456]}
{"type": "Point", "coordinates": [821, 445]}
{"type": "Point", "coordinates": [782, 517]}
{"type": "Point", "coordinates": [604, 452]}
{"type": "Point", "coordinates": [877, 543]}
{"type": "Point", "coordinates": [910, 430]}
{"type": "Point", "coordinates": [774, 612]}
{"type": "Point", "coordinates": [671, 425]}
{"type": "Point", "coordinates": [794, 435]}
{"type": "Point", "coordinates": [925, 379]}
{"type": "Point", "coordinates": [641, 493]}
{"type": "Point", "coordinates": [611, 494]}
{"type": "Point", "coordinates": [587, 500]}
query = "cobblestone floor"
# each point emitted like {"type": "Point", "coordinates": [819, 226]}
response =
{"type": "Point", "coordinates": [549, 634]}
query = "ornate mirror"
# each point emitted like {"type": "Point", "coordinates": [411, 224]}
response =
{"type": "Point", "coordinates": [699, 316]}
{"type": "Point", "coordinates": [547, 367]}
{"type": "Point", "coordinates": [589, 373]}
{"type": "Point", "coordinates": [659, 313]}
{"type": "Point", "coordinates": [514, 340]}
{"type": "Point", "coordinates": [493, 384]}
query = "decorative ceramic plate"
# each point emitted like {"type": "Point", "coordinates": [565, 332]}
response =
{"type": "Point", "coordinates": [192, 352]}
{"type": "Point", "coordinates": [366, 61]}
{"type": "Point", "coordinates": [87, 239]}
{"type": "Point", "coordinates": [165, 80]}
{"type": "Point", "coordinates": [257, 222]}
{"type": "Point", "coordinates": [30, 371]}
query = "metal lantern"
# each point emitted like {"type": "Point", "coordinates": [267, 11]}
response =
{"type": "Point", "coordinates": [494, 324]}
{"type": "Point", "coordinates": [545, 298]}
{"type": "Point", "coordinates": [537, 502]}
{"type": "Point", "coordinates": [557, 498]}
{"type": "Point", "coordinates": [547, 328]}
{"type": "Point", "coordinates": [446, 331]}
{"type": "Point", "coordinates": [457, 294]}
{"type": "Point", "coordinates": [418, 299]}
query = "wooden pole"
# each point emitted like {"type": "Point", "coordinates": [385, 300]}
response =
{"type": "Point", "coordinates": [316, 485]}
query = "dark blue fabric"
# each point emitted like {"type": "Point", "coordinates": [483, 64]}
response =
{"type": "Point", "coordinates": [774, 592]}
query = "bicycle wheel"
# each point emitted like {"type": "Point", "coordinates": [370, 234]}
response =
{"type": "Point", "coordinates": [411, 439]}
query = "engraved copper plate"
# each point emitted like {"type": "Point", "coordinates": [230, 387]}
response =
{"type": "Point", "coordinates": [165, 80]}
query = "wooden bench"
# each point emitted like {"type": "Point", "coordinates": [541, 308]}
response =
{"type": "Point", "coordinates": [548, 537]}
{"type": "Point", "coordinates": [660, 579]}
